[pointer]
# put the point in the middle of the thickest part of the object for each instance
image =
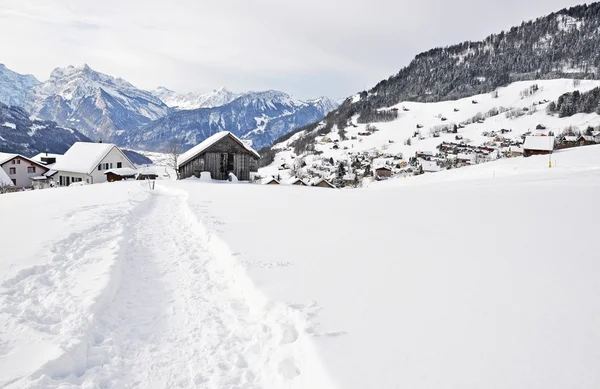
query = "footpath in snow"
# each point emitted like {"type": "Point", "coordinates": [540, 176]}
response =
{"type": "Point", "coordinates": [172, 314]}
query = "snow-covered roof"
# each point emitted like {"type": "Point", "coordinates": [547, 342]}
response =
{"type": "Point", "coordinates": [383, 168]}
{"type": "Point", "coordinates": [294, 180]}
{"type": "Point", "coordinates": [123, 171]}
{"type": "Point", "coordinates": [349, 177]}
{"type": "Point", "coordinates": [38, 158]}
{"type": "Point", "coordinates": [515, 149]}
{"type": "Point", "coordinates": [211, 140]}
{"type": "Point", "coordinates": [83, 157]}
{"type": "Point", "coordinates": [268, 180]}
{"type": "Point", "coordinates": [541, 143]}
{"type": "Point", "coordinates": [6, 157]}
{"type": "Point", "coordinates": [570, 138]}
{"type": "Point", "coordinates": [4, 178]}
{"type": "Point", "coordinates": [320, 180]}
{"type": "Point", "coordinates": [430, 166]}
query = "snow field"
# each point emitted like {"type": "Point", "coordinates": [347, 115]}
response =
{"type": "Point", "coordinates": [148, 298]}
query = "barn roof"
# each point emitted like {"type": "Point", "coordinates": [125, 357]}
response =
{"type": "Point", "coordinates": [123, 171]}
{"type": "Point", "coordinates": [211, 140]}
{"type": "Point", "coordinates": [541, 143]}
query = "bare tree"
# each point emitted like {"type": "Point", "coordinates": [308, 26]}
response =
{"type": "Point", "coordinates": [174, 153]}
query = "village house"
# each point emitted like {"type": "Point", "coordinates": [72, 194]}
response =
{"type": "Point", "coordinates": [515, 151]}
{"type": "Point", "coordinates": [270, 181]}
{"type": "Point", "coordinates": [220, 154]}
{"type": "Point", "coordinates": [21, 171]}
{"type": "Point", "coordinates": [538, 145]}
{"type": "Point", "coordinates": [383, 171]}
{"type": "Point", "coordinates": [296, 181]}
{"type": "Point", "coordinates": [87, 162]}
{"type": "Point", "coordinates": [323, 183]}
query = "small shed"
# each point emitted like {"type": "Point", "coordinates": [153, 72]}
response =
{"type": "Point", "coordinates": [383, 171]}
{"type": "Point", "coordinates": [220, 154]}
{"type": "Point", "coordinates": [120, 174]}
{"type": "Point", "coordinates": [538, 145]}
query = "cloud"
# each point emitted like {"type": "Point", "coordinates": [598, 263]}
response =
{"type": "Point", "coordinates": [308, 48]}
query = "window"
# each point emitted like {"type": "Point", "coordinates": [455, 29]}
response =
{"type": "Point", "coordinates": [106, 166]}
{"type": "Point", "coordinates": [111, 165]}
{"type": "Point", "coordinates": [60, 180]}
{"type": "Point", "coordinates": [100, 167]}
{"type": "Point", "coordinates": [31, 169]}
{"type": "Point", "coordinates": [13, 170]}
{"type": "Point", "coordinates": [119, 165]}
{"type": "Point", "coordinates": [14, 161]}
{"type": "Point", "coordinates": [18, 161]}
{"type": "Point", "coordinates": [14, 181]}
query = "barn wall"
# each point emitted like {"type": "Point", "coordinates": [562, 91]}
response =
{"type": "Point", "coordinates": [214, 160]}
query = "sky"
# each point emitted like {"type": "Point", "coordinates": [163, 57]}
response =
{"type": "Point", "coordinates": [310, 48]}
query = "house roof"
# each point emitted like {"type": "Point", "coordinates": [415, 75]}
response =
{"type": "Point", "coordinates": [294, 180]}
{"type": "Point", "coordinates": [4, 178]}
{"type": "Point", "coordinates": [570, 138]}
{"type": "Point", "coordinates": [39, 157]}
{"type": "Point", "coordinates": [541, 143]}
{"type": "Point", "coordinates": [123, 171]}
{"type": "Point", "coordinates": [515, 149]}
{"type": "Point", "coordinates": [211, 140]}
{"type": "Point", "coordinates": [5, 157]}
{"type": "Point", "coordinates": [269, 179]}
{"type": "Point", "coordinates": [84, 157]}
{"type": "Point", "coordinates": [430, 166]}
{"type": "Point", "coordinates": [383, 168]}
{"type": "Point", "coordinates": [320, 180]}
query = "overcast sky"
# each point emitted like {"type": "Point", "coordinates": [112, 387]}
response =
{"type": "Point", "coordinates": [307, 48]}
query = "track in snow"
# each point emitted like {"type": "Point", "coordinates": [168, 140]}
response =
{"type": "Point", "coordinates": [179, 320]}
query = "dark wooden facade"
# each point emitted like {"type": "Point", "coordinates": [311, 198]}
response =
{"type": "Point", "coordinates": [225, 156]}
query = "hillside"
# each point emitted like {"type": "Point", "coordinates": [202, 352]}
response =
{"type": "Point", "coordinates": [564, 44]}
{"type": "Point", "coordinates": [442, 280]}
{"type": "Point", "coordinates": [258, 117]}
{"type": "Point", "coordinates": [21, 135]}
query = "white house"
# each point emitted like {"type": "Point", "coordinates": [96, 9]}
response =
{"type": "Point", "coordinates": [21, 170]}
{"type": "Point", "coordinates": [87, 162]}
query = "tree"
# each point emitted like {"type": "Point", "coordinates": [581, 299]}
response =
{"type": "Point", "coordinates": [341, 171]}
{"type": "Point", "coordinates": [174, 153]}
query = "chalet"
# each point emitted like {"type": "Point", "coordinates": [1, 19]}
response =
{"type": "Point", "coordinates": [220, 154]}
{"type": "Point", "coordinates": [430, 166]}
{"type": "Point", "coordinates": [21, 170]}
{"type": "Point", "coordinates": [270, 181]}
{"type": "Point", "coordinates": [423, 154]}
{"type": "Point", "coordinates": [586, 140]}
{"type": "Point", "coordinates": [538, 145]}
{"type": "Point", "coordinates": [383, 171]}
{"type": "Point", "coordinates": [296, 181]}
{"type": "Point", "coordinates": [515, 151]}
{"type": "Point", "coordinates": [87, 162]}
{"type": "Point", "coordinates": [123, 173]}
{"type": "Point", "coordinates": [322, 183]}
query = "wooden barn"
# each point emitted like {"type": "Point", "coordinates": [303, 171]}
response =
{"type": "Point", "coordinates": [538, 145]}
{"type": "Point", "coordinates": [220, 154]}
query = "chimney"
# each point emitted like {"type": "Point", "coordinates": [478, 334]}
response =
{"type": "Point", "coordinates": [99, 140]}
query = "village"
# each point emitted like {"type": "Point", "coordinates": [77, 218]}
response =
{"type": "Point", "coordinates": [223, 156]}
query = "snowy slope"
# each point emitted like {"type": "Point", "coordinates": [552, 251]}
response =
{"type": "Point", "coordinates": [14, 86]}
{"type": "Point", "coordinates": [391, 137]}
{"type": "Point", "coordinates": [98, 104]}
{"type": "Point", "coordinates": [463, 279]}
{"type": "Point", "coordinates": [176, 100]}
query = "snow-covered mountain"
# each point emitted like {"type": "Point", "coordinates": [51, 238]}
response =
{"type": "Point", "coordinates": [14, 87]}
{"type": "Point", "coordinates": [99, 105]}
{"type": "Point", "coordinates": [175, 100]}
{"type": "Point", "coordinates": [259, 117]}
{"type": "Point", "coordinates": [19, 134]}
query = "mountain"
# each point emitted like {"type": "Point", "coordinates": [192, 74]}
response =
{"type": "Point", "coordinates": [188, 101]}
{"type": "Point", "coordinates": [564, 44]}
{"type": "Point", "coordinates": [259, 117]}
{"type": "Point", "coordinates": [19, 134]}
{"type": "Point", "coordinates": [14, 86]}
{"type": "Point", "coordinates": [99, 105]}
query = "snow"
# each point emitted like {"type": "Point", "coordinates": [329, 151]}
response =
{"type": "Point", "coordinates": [192, 100]}
{"type": "Point", "coordinates": [10, 125]}
{"type": "Point", "coordinates": [6, 157]}
{"type": "Point", "coordinates": [412, 283]}
{"type": "Point", "coordinates": [543, 143]}
{"type": "Point", "coordinates": [38, 157]}
{"type": "Point", "coordinates": [83, 157]}
{"type": "Point", "coordinates": [199, 148]}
